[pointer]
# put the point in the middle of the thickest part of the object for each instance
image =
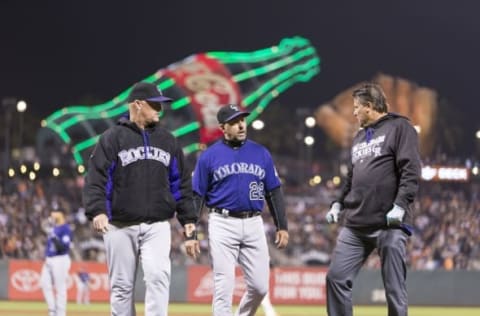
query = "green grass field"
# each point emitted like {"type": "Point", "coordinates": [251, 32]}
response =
{"type": "Point", "coordinates": [9, 308]}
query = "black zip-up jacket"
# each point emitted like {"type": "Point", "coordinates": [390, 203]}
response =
{"type": "Point", "coordinates": [137, 175]}
{"type": "Point", "coordinates": [385, 169]}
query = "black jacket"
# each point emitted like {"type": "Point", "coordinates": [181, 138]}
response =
{"type": "Point", "coordinates": [385, 169]}
{"type": "Point", "coordinates": [138, 175]}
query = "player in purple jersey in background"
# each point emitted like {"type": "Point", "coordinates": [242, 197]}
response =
{"type": "Point", "coordinates": [234, 177]}
{"type": "Point", "coordinates": [83, 286]}
{"type": "Point", "coordinates": [54, 273]}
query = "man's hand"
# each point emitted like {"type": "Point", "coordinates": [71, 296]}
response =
{"type": "Point", "coordinates": [192, 245]}
{"type": "Point", "coordinates": [332, 214]}
{"type": "Point", "coordinates": [281, 239]}
{"type": "Point", "coordinates": [395, 215]}
{"type": "Point", "coordinates": [193, 248]}
{"type": "Point", "coordinates": [100, 223]}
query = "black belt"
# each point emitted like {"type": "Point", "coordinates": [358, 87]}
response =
{"type": "Point", "coordinates": [236, 214]}
{"type": "Point", "coordinates": [130, 223]}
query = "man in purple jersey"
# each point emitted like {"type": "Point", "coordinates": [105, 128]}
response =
{"type": "Point", "coordinates": [234, 177]}
{"type": "Point", "coordinates": [376, 199]}
{"type": "Point", "coordinates": [54, 275]}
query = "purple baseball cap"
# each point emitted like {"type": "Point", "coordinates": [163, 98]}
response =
{"type": "Point", "coordinates": [148, 92]}
{"type": "Point", "coordinates": [229, 112]}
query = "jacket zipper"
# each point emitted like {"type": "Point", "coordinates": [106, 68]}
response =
{"type": "Point", "coordinates": [145, 171]}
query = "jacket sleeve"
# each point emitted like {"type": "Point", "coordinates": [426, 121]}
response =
{"type": "Point", "coordinates": [182, 181]}
{"type": "Point", "coordinates": [200, 177]}
{"type": "Point", "coordinates": [276, 205]}
{"type": "Point", "coordinates": [100, 166]}
{"type": "Point", "coordinates": [408, 164]}
{"type": "Point", "coordinates": [347, 185]}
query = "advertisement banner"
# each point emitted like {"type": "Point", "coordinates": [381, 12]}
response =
{"type": "Point", "coordinates": [200, 284]}
{"type": "Point", "coordinates": [290, 285]}
{"type": "Point", "coordinates": [298, 285]}
{"type": "Point", "coordinates": [24, 280]}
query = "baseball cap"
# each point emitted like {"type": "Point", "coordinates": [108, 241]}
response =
{"type": "Point", "coordinates": [148, 92]}
{"type": "Point", "coordinates": [229, 112]}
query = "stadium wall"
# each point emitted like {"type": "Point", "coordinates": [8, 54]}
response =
{"type": "Point", "coordinates": [20, 280]}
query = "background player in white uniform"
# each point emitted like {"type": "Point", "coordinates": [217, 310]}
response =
{"type": "Point", "coordinates": [83, 286]}
{"type": "Point", "coordinates": [54, 273]}
{"type": "Point", "coordinates": [233, 177]}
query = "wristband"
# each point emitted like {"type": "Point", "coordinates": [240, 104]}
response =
{"type": "Point", "coordinates": [193, 236]}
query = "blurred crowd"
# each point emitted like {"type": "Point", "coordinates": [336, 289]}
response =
{"type": "Point", "coordinates": [446, 225]}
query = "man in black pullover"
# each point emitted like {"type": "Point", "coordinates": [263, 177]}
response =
{"type": "Point", "coordinates": [136, 182]}
{"type": "Point", "coordinates": [375, 202]}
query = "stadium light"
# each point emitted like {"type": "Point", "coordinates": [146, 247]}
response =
{"type": "Point", "coordinates": [81, 169]}
{"type": "Point", "coordinates": [258, 125]}
{"type": "Point", "coordinates": [310, 121]}
{"type": "Point", "coordinates": [475, 171]}
{"type": "Point", "coordinates": [21, 106]}
{"type": "Point", "coordinates": [309, 140]}
{"type": "Point", "coordinates": [55, 172]}
{"type": "Point", "coordinates": [317, 179]}
{"type": "Point", "coordinates": [477, 134]}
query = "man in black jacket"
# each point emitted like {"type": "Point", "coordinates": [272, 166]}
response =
{"type": "Point", "coordinates": [376, 200]}
{"type": "Point", "coordinates": [136, 182]}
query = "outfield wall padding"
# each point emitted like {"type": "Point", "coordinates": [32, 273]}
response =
{"type": "Point", "coordinates": [20, 280]}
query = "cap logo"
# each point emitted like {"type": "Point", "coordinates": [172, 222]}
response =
{"type": "Point", "coordinates": [234, 107]}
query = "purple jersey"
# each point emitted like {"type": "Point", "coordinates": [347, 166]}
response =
{"type": "Point", "coordinates": [235, 178]}
{"type": "Point", "coordinates": [63, 234]}
{"type": "Point", "coordinates": [83, 276]}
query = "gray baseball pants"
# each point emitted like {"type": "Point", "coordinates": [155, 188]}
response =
{"type": "Point", "coordinates": [352, 249]}
{"type": "Point", "coordinates": [233, 240]}
{"type": "Point", "coordinates": [127, 244]}
{"type": "Point", "coordinates": [53, 280]}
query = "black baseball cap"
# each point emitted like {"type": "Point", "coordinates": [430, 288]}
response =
{"type": "Point", "coordinates": [148, 92]}
{"type": "Point", "coordinates": [229, 112]}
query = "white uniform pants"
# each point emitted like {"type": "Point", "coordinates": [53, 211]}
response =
{"type": "Point", "coordinates": [83, 293]}
{"type": "Point", "coordinates": [233, 240]}
{"type": "Point", "coordinates": [53, 281]}
{"type": "Point", "coordinates": [125, 246]}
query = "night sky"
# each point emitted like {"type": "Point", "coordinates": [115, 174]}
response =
{"type": "Point", "coordinates": [58, 53]}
